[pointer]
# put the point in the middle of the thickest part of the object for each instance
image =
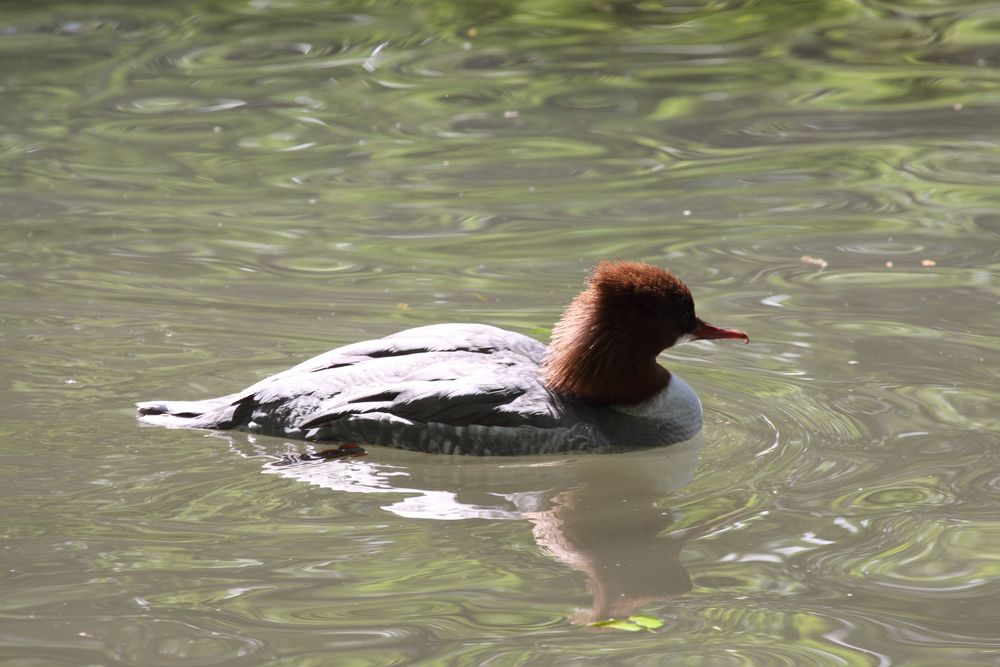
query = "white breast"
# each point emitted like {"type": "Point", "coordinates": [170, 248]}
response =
{"type": "Point", "coordinates": [676, 408]}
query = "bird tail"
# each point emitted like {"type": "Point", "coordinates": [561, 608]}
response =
{"type": "Point", "coordinates": [215, 413]}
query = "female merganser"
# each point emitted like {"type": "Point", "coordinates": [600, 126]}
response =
{"type": "Point", "coordinates": [477, 389]}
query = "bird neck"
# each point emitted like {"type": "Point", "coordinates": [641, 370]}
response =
{"type": "Point", "coordinates": [602, 359]}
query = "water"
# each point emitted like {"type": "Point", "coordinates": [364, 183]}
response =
{"type": "Point", "coordinates": [194, 195]}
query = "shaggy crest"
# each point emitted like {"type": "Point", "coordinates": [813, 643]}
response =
{"type": "Point", "coordinates": [604, 347]}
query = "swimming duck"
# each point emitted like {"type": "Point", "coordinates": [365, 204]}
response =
{"type": "Point", "coordinates": [478, 389]}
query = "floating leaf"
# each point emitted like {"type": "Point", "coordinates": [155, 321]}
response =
{"type": "Point", "coordinates": [617, 624]}
{"type": "Point", "coordinates": [633, 624]}
{"type": "Point", "coordinates": [648, 622]}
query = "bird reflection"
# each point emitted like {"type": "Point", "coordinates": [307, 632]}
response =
{"type": "Point", "coordinates": [605, 515]}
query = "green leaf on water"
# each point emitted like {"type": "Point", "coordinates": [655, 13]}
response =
{"type": "Point", "coordinates": [648, 622]}
{"type": "Point", "coordinates": [633, 624]}
{"type": "Point", "coordinates": [617, 624]}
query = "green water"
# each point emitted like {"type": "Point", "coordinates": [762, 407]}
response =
{"type": "Point", "coordinates": [194, 195]}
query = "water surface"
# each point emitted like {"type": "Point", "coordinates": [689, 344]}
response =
{"type": "Point", "coordinates": [194, 195]}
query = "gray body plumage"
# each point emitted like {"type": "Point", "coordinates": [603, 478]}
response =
{"type": "Point", "coordinates": [447, 388]}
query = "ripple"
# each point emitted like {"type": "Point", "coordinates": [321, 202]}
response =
{"type": "Point", "coordinates": [893, 496]}
{"type": "Point", "coordinates": [320, 263]}
{"type": "Point", "coordinates": [882, 248]}
{"type": "Point", "coordinates": [123, 631]}
{"type": "Point", "coordinates": [876, 41]}
{"type": "Point", "coordinates": [162, 105]}
{"type": "Point", "coordinates": [975, 163]}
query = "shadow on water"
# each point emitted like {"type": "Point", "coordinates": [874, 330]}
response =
{"type": "Point", "coordinates": [580, 516]}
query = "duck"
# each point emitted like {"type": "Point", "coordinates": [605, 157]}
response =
{"type": "Point", "coordinates": [477, 389]}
